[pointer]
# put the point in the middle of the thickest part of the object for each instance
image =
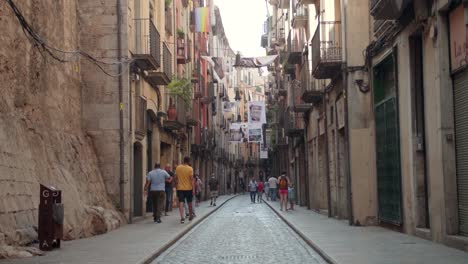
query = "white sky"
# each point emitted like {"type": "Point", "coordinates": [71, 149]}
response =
{"type": "Point", "coordinates": [243, 23]}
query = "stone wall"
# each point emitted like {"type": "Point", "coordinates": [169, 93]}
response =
{"type": "Point", "coordinates": [42, 140]}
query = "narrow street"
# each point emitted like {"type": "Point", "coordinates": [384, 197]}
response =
{"type": "Point", "coordinates": [241, 232]}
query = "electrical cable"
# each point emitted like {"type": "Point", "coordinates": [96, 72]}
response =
{"type": "Point", "coordinates": [42, 45]}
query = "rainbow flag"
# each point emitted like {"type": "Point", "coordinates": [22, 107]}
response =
{"type": "Point", "coordinates": [202, 19]}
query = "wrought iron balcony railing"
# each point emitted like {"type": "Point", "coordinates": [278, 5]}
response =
{"type": "Point", "coordinates": [327, 50]}
{"type": "Point", "coordinates": [162, 77]}
{"type": "Point", "coordinates": [296, 43]}
{"type": "Point", "coordinates": [147, 47]}
{"type": "Point", "coordinates": [300, 16]}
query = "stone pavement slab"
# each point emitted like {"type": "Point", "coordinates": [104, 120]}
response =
{"type": "Point", "coordinates": [343, 244]}
{"type": "Point", "coordinates": [132, 243]}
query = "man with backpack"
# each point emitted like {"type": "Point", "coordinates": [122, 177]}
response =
{"type": "Point", "coordinates": [283, 182]}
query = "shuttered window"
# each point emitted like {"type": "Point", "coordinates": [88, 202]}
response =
{"type": "Point", "coordinates": [461, 137]}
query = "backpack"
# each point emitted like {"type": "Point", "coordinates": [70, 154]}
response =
{"type": "Point", "coordinates": [283, 183]}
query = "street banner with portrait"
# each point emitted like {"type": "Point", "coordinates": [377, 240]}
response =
{"type": "Point", "coordinates": [238, 132]}
{"type": "Point", "coordinates": [255, 133]}
{"type": "Point", "coordinates": [256, 113]}
{"type": "Point", "coordinates": [229, 107]}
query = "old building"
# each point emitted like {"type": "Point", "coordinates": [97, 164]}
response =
{"type": "Point", "coordinates": [376, 104]}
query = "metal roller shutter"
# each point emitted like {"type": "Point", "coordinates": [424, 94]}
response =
{"type": "Point", "coordinates": [461, 137]}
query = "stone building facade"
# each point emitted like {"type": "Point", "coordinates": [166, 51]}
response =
{"type": "Point", "coordinates": [378, 104]}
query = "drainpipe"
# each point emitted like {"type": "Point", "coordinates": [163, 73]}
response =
{"type": "Point", "coordinates": [130, 146]}
{"type": "Point", "coordinates": [121, 108]}
{"type": "Point", "coordinates": [327, 158]}
{"type": "Point", "coordinates": [346, 114]}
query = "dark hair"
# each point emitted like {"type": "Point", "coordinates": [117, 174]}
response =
{"type": "Point", "coordinates": [283, 173]}
{"type": "Point", "coordinates": [187, 160]}
{"type": "Point", "coordinates": [157, 165]}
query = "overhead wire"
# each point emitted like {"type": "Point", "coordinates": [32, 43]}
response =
{"type": "Point", "coordinates": [40, 43]}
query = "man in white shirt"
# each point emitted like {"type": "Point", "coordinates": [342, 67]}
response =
{"type": "Point", "coordinates": [272, 184]}
{"type": "Point", "coordinates": [157, 179]}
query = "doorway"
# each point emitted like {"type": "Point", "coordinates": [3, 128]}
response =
{"type": "Point", "coordinates": [137, 180]}
{"type": "Point", "coordinates": [419, 133]}
{"type": "Point", "coordinates": [387, 142]}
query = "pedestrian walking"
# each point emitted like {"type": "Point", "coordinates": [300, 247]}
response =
{"type": "Point", "coordinates": [272, 184]}
{"type": "Point", "coordinates": [214, 189]}
{"type": "Point", "coordinates": [283, 183]}
{"type": "Point", "coordinates": [267, 190]}
{"type": "Point", "coordinates": [155, 180]}
{"type": "Point", "coordinates": [253, 190]}
{"type": "Point", "coordinates": [198, 189]}
{"type": "Point", "coordinates": [260, 191]}
{"type": "Point", "coordinates": [185, 185]}
{"type": "Point", "coordinates": [186, 209]}
{"type": "Point", "coordinates": [168, 188]}
{"type": "Point", "coordinates": [291, 196]}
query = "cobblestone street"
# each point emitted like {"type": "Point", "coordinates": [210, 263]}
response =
{"type": "Point", "coordinates": [241, 232]}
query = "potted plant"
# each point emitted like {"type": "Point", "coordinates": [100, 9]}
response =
{"type": "Point", "coordinates": [180, 33]}
{"type": "Point", "coordinates": [182, 88]}
{"type": "Point", "coordinates": [167, 4]}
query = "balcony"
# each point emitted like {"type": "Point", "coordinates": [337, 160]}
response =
{"type": "Point", "coordinates": [176, 114]}
{"type": "Point", "coordinates": [162, 77]}
{"type": "Point", "coordinates": [273, 2]}
{"type": "Point", "coordinates": [183, 51]}
{"type": "Point", "coordinates": [327, 50]}
{"type": "Point", "coordinates": [300, 16]}
{"type": "Point", "coordinates": [264, 41]}
{"type": "Point", "coordinates": [296, 42]}
{"type": "Point", "coordinates": [293, 126]}
{"type": "Point", "coordinates": [283, 4]}
{"type": "Point", "coordinates": [310, 94]}
{"type": "Point", "coordinates": [388, 9]}
{"type": "Point", "coordinates": [147, 48]}
{"type": "Point", "coordinates": [277, 34]}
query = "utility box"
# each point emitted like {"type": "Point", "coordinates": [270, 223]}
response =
{"type": "Point", "coordinates": [51, 215]}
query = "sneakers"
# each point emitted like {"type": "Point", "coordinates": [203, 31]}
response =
{"type": "Point", "coordinates": [190, 218]}
{"type": "Point", "coordinates": [158, 221]}
{"type": "Point", "coordinates": [214, 204]}
{"type": "Point", "coordinates": [182, 220]}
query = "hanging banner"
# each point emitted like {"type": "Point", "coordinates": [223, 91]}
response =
{"type": "Point", "coordinates": [256, 62]}
{"type": "Point", "coordinates": [255, 133]}
{"type": "Point", "coordinates": [229, 108]}
{"type": "Point", "coordinates": [235, 133]}
{"type": "Point", "coordinates": [263, 151]}
{"type": "Point", "coordinates": [238, 132]}
{"type": "Point", "coordinates": [256, 113]}
{"type": "Point", "coordinates": [245, 132]}
{"type": "Point", "coordinates": [218, 66]}
{"type": "Point", "coordinates": [202, 19]}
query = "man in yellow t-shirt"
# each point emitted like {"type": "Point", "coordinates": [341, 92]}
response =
{"type": "Point", "coordinates": [185, 187]}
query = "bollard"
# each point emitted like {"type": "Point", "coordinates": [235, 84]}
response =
{"type": "Point", "coordinates": [51, 214]}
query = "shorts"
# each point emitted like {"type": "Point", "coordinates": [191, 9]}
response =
{"type": "Point", "coordinates": [214, 193]}
{"type": "Point", "coordinates": [283, 191]}
{"type": "Point", "coordinates": [198, 195]}
{"type": "Point", "coordinates": [182, 195]}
